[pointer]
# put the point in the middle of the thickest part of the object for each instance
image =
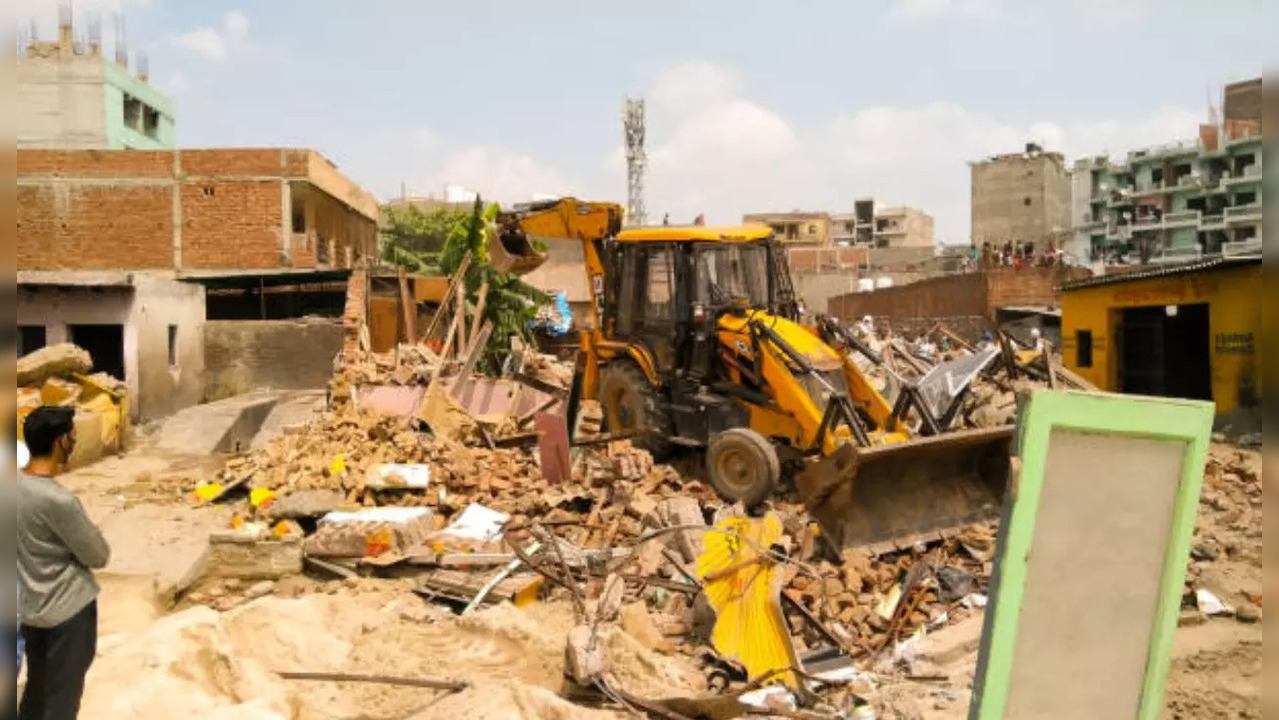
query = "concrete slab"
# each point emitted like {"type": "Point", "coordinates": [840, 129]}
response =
{"type": "Point", "coordinates": [293, 410]}
{"type": "Point", "coordinates": [223, 426]}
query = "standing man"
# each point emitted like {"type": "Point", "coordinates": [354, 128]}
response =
{"type": "Point", "coordinates": [58, 549]}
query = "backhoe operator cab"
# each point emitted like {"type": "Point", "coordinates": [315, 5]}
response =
{"type": "Point", "coordinates": [676, 352]}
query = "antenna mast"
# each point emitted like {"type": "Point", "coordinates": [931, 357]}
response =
{"type": "Point", "coordinates": [636, 161]}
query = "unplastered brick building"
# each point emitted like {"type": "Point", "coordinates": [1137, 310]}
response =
{"type": "Point", "coordinates": [189, 211]}
{"type": "Point", "coordinates": [124, 253]}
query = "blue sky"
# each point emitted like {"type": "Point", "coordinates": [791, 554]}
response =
{"type": "Point", "coordinates": [752, 106]}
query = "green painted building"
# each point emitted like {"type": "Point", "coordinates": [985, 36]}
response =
{"type": "Point", "coordinates": [73, 97]}
{"type": "Point", "coordinates": [1175, 201]}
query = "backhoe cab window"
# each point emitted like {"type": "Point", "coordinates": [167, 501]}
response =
{"type": "Point", "coordinates": [726, 273]}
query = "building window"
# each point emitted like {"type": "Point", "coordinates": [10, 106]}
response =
{"type": "Point", "coordinates": [31, 338]}
{"type": "Point", "coordinates": [173, 346]}
{"type": "Point", "coordinates": [1026, 202]}
{"type": "Point", "coordinates": [299, 219]}
{"type": "Point", "coordinates": [207, 190]}
{"type": "Point", "coordinates": [150, 122]}
{"type": "Point", "coordinates": [660, 300]}
{"type": "Point", "coordinates": [132, 111]}
{"type": "Point", "coordinates": [1083, 348]}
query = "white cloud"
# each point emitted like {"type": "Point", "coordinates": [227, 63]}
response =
{"type": "Point", "coordinates": [710, 148]}
{"type": "Point", "coordinates": [175, 83]}
{"type": "Point", "coordinates": [726, 154]}
{"type": "Point", "coordinates": [713, 149]}
{"type": "Point", "coordinates": [930, 9]}
{"type": "Point", "coordinates": [497, 174]}
{"type": "Point", "coordinates": [217, 43]}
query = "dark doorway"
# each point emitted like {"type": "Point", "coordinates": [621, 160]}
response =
{"type": "Point", "coordinates": [105, 344]}
{"type": "Point", "coordinates": [1166, 352]}
{"type": "Point", "coordinates": [31, 338]}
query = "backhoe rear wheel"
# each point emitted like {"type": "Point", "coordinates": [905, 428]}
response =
{"type": "Point", "coordinates": [742, 465]}
{"type": "Point", "coordinates": [630, 402]}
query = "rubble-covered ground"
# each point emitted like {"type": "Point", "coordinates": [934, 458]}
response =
{"type": "Point", "coordinates": [214, 647]}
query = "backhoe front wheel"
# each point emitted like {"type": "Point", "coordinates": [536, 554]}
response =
{"type": "Point", "coordinates": [630, 402]}
{"type": "Point", "coordinates": [742, 465]}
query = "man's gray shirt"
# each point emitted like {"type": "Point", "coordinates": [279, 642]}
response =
{"type": "Point", "coordinates": [58, 548]}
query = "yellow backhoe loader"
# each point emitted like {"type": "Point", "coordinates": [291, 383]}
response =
{"type": "Point", "coordinates": [697, 341]}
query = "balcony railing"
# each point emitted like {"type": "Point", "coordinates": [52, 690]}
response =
{"type": "Point", "coordinates": [1250, 174]}
{"type": "Point", "coordinates": [1242, 212]}
{"type": "Point", "coordinates": [1177, 255]}
{"type": "Point", "coordinates": [1237, 248]}
{"type": "Point", "coordinates": [1183, 217]}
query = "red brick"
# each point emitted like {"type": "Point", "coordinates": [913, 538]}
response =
{"type": "Point", "coordinates": [94, 227]}
{"type": "Point", "coordinates": [96, 163]}
{"type": "Point", "coordinates": [114, 209]}
{"type": "Point", "coordinates": [297, 163]}
{"type": "Point", "coordinates": [231, 224]}
{"type": "Point", "coordinates": [232, 162]}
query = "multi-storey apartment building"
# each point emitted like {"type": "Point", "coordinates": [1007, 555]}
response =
{"type": "Point", "coordinates": [1179, 200]}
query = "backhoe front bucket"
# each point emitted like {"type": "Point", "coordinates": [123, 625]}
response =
{"type": "Point", "coordinates": [895, 495]}
{"type": "Point", "coordinates": [513, 253]}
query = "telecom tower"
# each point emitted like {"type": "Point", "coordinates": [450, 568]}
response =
{"type": "Point", "coordinates": [636, 161]}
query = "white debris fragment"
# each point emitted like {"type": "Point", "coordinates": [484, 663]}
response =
{"type": "Point", "coordinates": [1210, 604]}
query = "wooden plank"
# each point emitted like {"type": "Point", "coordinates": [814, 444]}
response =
{"type": "Point", "coordinates": [473, 354]}
{"type": "Point", "coordinates": [408, 307]}
{"type": "Point", "coordinates": [449, 685]}
{"type": "Point", "coordinates": [460, 305]}
{"type": "Point", "coordinates": [444, 353]}
{"type": "Point", "coordinates": [955, 338]}
{"type": "Point", "coordinates": [454, 279]}
{"type": "Point", "coordinates": [480, 302]}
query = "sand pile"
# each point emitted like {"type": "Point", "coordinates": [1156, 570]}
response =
{"type": "Point", "coordinates": [185, 665]}
{"type": "Point", "coordinates": [201, 664]}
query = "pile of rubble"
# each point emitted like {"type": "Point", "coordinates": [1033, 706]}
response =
{"type": "Point", "coordinates": [63, 375]}
{"type": "Point", "coordinates": [473, 520]}
{"type": "Point", "coordinates": [1227, 552]}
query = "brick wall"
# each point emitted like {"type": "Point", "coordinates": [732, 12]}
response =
{"type": "Point", "coordinates": [814, 259]}
{"type": "Point", "coordinates": [231, 224]}
{"type": "Point", "coordinates": [935, 297]}
{"type": "Point", "coordinates": [1029, 286]}
{"type": "Point", "coordinates": [968, 294]}
{"type": "Point", "coordinates": [94, 227]}
{"type": "Point", "coordinates": [188, 209]}
{"type": "Point", "coordinates": [241, 355]}
{"type": "Point", "coordinates": [355, 317]}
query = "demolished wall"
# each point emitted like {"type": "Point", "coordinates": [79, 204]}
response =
{"type": "Point", "coordinates": [241, 355]}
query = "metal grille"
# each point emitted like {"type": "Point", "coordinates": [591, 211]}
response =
{"type": "Point", "coordinates": [947, 380]}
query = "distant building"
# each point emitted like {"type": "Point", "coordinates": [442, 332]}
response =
{"type": "Point", "coordinates": [1243, 101]}
{"type": "Point", "coordinates": [69, 96]}
{"type": "Point", "coordinates": [1179, 200]}
{"type": "Point", "coordinates": [801, 228]}
{"type": "Point", "coordinates": [868, 225]}
{"type": "Point", "coordinates": [903, 227]}
{"type": "Point", "coordinates": [1021, 197]}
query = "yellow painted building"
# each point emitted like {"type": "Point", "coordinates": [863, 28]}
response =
{"type": "Point", "coordinates": [1190, 331]}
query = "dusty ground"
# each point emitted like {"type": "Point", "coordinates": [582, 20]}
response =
{"type": "Point", "coordinates": [200, 663]}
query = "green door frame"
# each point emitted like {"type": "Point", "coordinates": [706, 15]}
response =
{"type": "Point", "coordinates": [1185, 421]}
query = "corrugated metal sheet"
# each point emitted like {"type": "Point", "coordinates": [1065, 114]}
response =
{"type": "Point", "coordinates": [1173, 271]}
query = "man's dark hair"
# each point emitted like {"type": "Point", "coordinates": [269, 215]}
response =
{"type": "Point", "coordinates": [44, 426]}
